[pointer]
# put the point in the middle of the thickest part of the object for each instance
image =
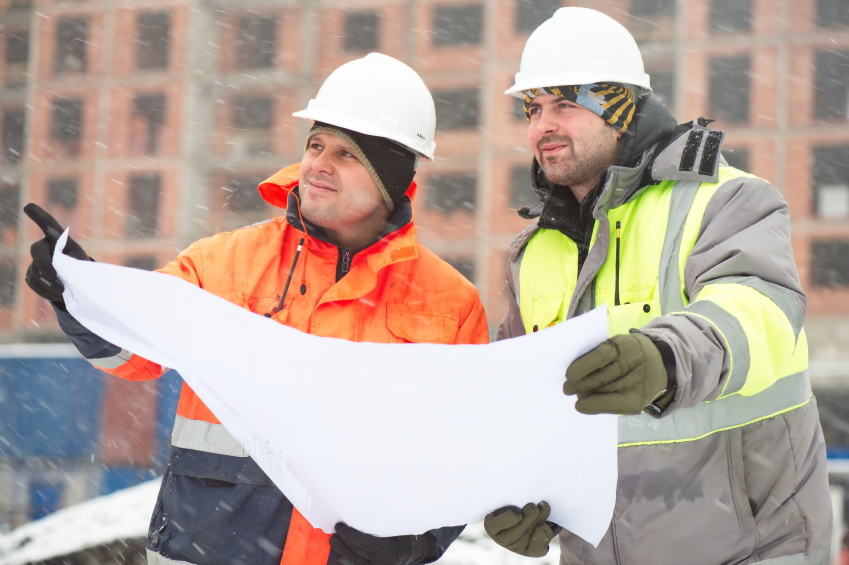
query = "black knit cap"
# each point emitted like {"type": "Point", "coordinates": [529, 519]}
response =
{"type": "Point", "coordinates": [390, 164]}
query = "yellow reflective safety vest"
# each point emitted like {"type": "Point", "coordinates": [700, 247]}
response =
{"type": "Point", "coordinates": [649, 275]}
{"type": "Point", "coordinates": [733, 471]}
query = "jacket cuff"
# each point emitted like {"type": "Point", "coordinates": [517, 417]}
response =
{"type": "Point", "coordinates": [443, 537]}
{"type": "Point", "coordinates": [90, 345]}
{"type": "Point", "coordinates": [668, 357]}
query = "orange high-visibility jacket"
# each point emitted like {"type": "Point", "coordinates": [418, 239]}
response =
{"type": "Point", "coordinates": [394, 291]}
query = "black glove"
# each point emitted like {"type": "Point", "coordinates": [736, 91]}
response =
{"type": "Point", "coordinates": [353, 547]}
{"type": "Point", "coordinates": [41, 276]}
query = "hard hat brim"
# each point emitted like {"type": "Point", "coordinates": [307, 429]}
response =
{"type": "Point", "coordinates": [345, 120]}
{"type": "Point", "coordinates": [560, 79]}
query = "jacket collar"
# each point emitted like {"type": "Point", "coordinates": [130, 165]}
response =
{"type": "Point", "coordinates": [398, 218]}
{"type": "Point", "coordinates": [654, 150]}
{"type": "Point", "coordinates": [278, 191]}
{"type": "Point", "coordinates": [397, 243]}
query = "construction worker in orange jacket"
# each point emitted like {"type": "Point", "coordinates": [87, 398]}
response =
{"type": "Point", "coordinates": [342, 262]}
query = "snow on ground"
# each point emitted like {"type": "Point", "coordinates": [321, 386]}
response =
{"type": "Point", "coordinates": [121, 515]}
{"type": "Point", "coordinates": [125, 514]}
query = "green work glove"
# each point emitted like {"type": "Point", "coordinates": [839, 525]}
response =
{"type": "Point", "coordinates": [624, 375]}
{"type": "Point", "coordinates": [525, 532]}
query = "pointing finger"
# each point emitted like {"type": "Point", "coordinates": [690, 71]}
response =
{"type": "Point", "coordinates": [43, 220]}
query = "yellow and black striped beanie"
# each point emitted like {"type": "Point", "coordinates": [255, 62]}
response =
{"type": "Point", "coordinates": [391, 165]}
{"type": "Point", "coordinates": [614, 104]}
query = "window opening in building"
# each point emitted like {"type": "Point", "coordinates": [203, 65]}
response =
{"type": "Point", "coordinates": [13, 134]}
{"type": "Point", "coordinates": [253, 119]}
{"type": "Point", "coordinates": [531, 13]}
{"type": "Point", "coordinates": [64, 192]}
{"type": "Point", "coordinates": [737, 158]}
{"type": "Point", "coordinates": [17, 55]}
{"type": "Point", "coordinates": [255, 41]}
{"type": "Point", "coordinates": [243, 195]}
{"type": "Point", "coordinates": [361, 31]}
{"type": "Point", "coordinates": [650, 8]}
{"type": "Point", "coordinates": [663, 85]}
{"type": "Point", "coordinates": [730, 15]}
{"type": "Point", "coordinates": [71, 41]}
{"type": "Point", "coordinates": [8, 282]}
{"type": "Point", "coordinates": [153, 39]}
{"type": "Point", "coordinates": [449, 192]}
{"type": "Point", "coordinates": [729, 88]}
{"type": "Point", "coordinates": [66, 124]}
{"type": "Point", "coordinates": [464, 265]}
{"type": "Point", "coordinates": [831, 85]}
{"type": "Point", "coordinates": [253, 112]}
{"type": "Point", "coordinates": [831, 181]}
{"type": "Point", "coordinates": [20, 5]}
{"type": "Point", "coordinates": [521, 187]}
{"type": "Point", "coordinates": [143, 262]}
{"type": "Point", "coordinates": [456, 109]}
{"type": "Point", "coordinates": [10, 206]}
{"type": "Point", "coordinates": [146, 123]}
{"type": "Point", "coordinates": [17, 46]}
{"type": "Point", "coordinates": [830, 263]}
{"type": "Point", "coordinates": [832, 13]}
{"type": "Point", "coordinates": [143, 205]}
{"type": "Point", "coordinates": [457, 25]}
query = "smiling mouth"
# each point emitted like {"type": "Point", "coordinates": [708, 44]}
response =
{"type": "Point", "coordinates": [320, 186]}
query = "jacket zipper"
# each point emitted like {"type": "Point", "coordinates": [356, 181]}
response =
{"type": "Point", "coordinates": [288, 280]}
{"type": "Point", "coordinates": [618, 237]}
{"type": "Point", "coordinates": [345, 257]}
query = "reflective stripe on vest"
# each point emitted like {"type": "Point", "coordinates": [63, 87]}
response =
{"type": "Point", "coordinates": [205, 436]}
{"type": "Point", "coordinates": [304, 545]}
{"type": "Point", "coordinates": [659, 228]}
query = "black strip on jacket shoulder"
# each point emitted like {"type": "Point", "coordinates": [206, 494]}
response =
{"type": "Point", "coordinates": [710, 153]}
{"type": "Point", "coordinates": [691, 149]}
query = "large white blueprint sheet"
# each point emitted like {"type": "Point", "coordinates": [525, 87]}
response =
{"type": "Point", "coordinates": [390, 438]}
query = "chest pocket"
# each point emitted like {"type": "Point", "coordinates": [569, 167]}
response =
{"type": "Point", "coordinates": [621, 319]}
{"type": "Point", "coordinates": [264, 304]}
{"type": "Point", "coordinates": [545, 312]}
{"type": "Point", "coordinates": [414, 326]}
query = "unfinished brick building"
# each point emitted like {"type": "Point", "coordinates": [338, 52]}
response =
{"type": "Point", "coordinates": [147, 124]}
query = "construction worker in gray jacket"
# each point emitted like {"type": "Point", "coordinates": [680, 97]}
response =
{"type": "Point", "coordinates": [721, 454]}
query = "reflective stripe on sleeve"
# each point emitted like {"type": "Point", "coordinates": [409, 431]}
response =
{"type": "Point", "coordinates": [696, 422]}
{"type": "Point", "coordinates": [786, 300]}
{"type": "Point", "coordinates": [205, 436]}
{"type": "Point", "coordinates": [154, 558]}
{"type": "Point", "coordinates": [735, 339]}
{"type": "Point", "coordinates": [669, 277]}
{"type": "Point", "coordinates": [112, 362]}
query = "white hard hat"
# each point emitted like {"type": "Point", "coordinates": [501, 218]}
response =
{"type": "Point", "coordinates": [580, 46]}
{"type": "Point", "coordinates": [381, 96]}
